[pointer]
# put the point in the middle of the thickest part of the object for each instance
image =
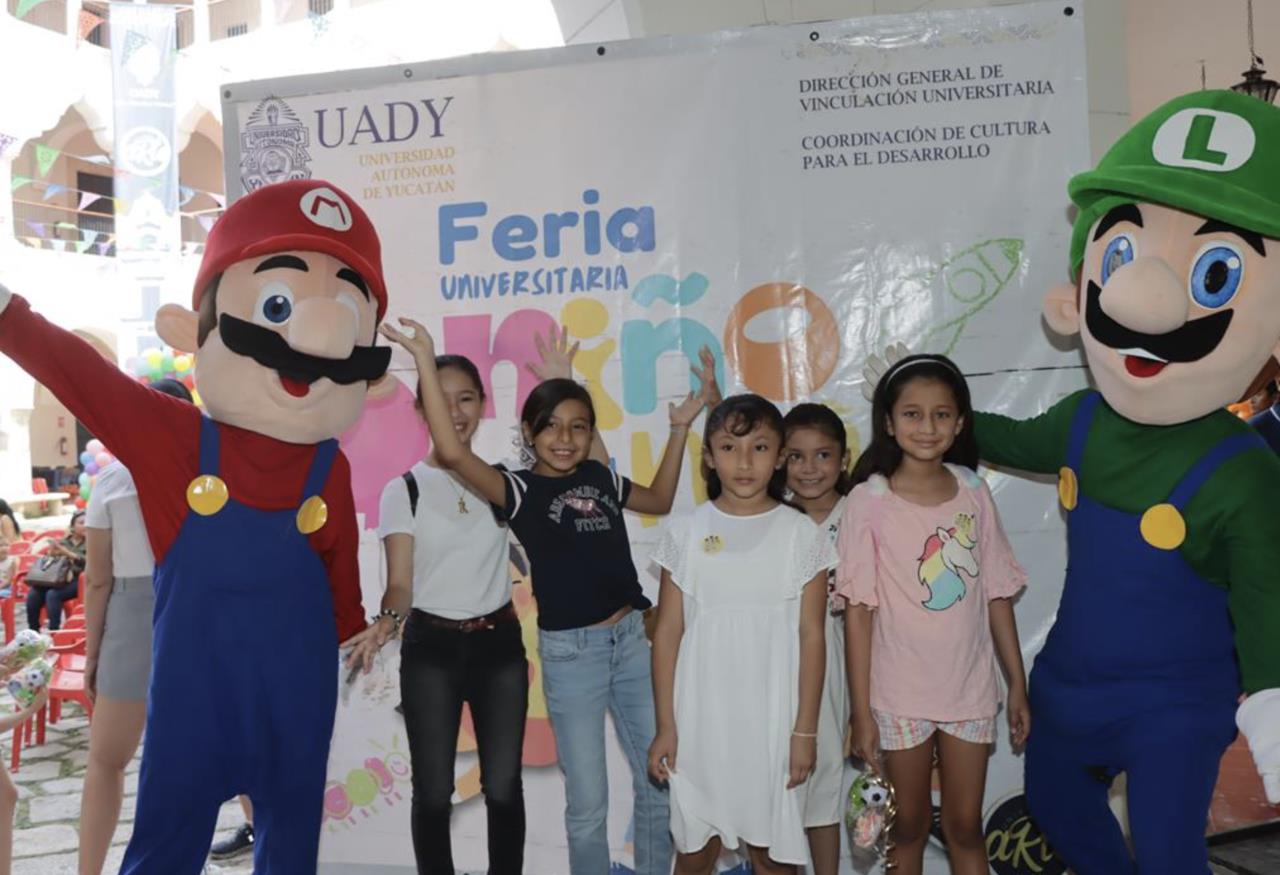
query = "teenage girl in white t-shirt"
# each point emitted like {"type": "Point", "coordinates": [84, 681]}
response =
{"type": "Point", "coordinates": [447, 570]}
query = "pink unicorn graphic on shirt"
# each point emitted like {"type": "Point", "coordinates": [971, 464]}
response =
{"type": "Point", "coordinates": [947, 552]}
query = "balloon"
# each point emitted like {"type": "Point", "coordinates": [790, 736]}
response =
{"type": "Point", "coordinates": [103, 459]}
{"type": "Point", "coordinates": [189, 380]}
{"type": "Point", "coordinates": [182, 363]}
{"type": "Point", "coordinates": [166, 363]}
{"type": "Point", "coordinates": [91, 468]}
{"type": "Point", "coordinates": [195, 398]}
{"type": "Point", "coordinates": [94, 446]}
{"type": "Point", "coordinates": [153, 357]}
{"type": "Point", "coordinates": [93, 480]}
{"type": "Point", "coordinates": [86, 457]}
{"type": "Point", "coordinates": [84, 481]}
{"type": "Point", "coordinates": [81, 504]}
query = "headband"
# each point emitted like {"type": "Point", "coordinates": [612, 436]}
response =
{"type": "Point", "coordinates": [921, 359]}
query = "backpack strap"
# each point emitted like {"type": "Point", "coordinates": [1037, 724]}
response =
{"type": "Point", "coordinates": [411, 483]}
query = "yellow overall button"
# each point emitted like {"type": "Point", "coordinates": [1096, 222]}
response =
{"type": "Point", "coordinates": [312, 515]}
{"type": "Point", "coordinates": [207, 494]}
{"type": "Point", "coordinates": [1163, 527]}
{"type": "Point", "coordinates": [1068, 489]}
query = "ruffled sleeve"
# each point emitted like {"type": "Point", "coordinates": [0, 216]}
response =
{"type": "Point", "coordinates": [856, 578]}
{"type": "Point", "coordinates": [813, 552]}
{"type": "Point", "coordinates": [1002, 576]}
{"type": "Point", "coordinates": [671, 551]}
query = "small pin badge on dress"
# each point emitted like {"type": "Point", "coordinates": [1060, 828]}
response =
{"type": "Point", "coordinates": [712, 544]}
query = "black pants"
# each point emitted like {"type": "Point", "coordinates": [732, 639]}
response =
{"type": "Point", "coordinates": [51, 600]}
{"type": "Point", "coordinates": [439, 670]}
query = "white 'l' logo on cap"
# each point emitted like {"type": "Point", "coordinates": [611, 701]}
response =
{"type": "Point", "coordinates": [326, 208]}
{"type": "Point", "coordinates": [1205, 139]}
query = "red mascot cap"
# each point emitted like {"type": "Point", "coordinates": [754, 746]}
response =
{"type": "Point", "coordinates": [310, 215]}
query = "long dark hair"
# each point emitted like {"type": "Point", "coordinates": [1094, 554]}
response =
{"type": "Point", "coordinates": [546, 397]}
{"type": "Point", "coordinates": [173, 388]}
{"type": "Point", "coordinates": [740, 415]}
{"type": "Point", "coordinates": [461, 363]}
{"type": "Point", "coordinates": [822, 418]}
{"type": "Point", "coordinates": [5, 510]}
{"type": "Point", "coordinates": [883, 455]}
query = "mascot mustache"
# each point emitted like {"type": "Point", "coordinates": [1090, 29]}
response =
{"type": "Point", "coordinates": [269, 349]}
{"type": "Point", "coordinates": [1190, 342]}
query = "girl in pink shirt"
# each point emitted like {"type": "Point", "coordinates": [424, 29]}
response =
{"type": "Point", "coordinates": [929, 577]}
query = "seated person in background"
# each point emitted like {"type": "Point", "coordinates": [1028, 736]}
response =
{"type": "Point", "coordinates": [51, 599]}
{"type": "Point", "coordinates": [10, 531]}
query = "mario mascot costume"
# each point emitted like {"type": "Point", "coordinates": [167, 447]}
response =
{"type": "Point", "coordinates": [1171, 606]}
{"type": "Point", "coordinates": [249, 514]}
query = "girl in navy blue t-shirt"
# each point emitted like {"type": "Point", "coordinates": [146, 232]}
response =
{"type": "Point", "coordinates": [567, 512]}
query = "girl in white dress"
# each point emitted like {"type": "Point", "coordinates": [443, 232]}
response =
{"type": "Point", "coordinates": [738, 652]}
{"type": "Point", "coordinates": [818, 465]}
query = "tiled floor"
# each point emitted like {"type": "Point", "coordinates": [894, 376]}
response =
{"type": "Point", "coordinates": [46, 827]}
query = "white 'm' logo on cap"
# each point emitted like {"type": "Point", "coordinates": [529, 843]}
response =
{"type": "Point", "coordinates": [1205, 139]}
{"type": "Point", "coordinates": [326, 208]}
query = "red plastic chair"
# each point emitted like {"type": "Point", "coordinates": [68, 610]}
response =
{"type": "Point", "coordinates": [67, 686]}
{"type": "Point", "coordinates": [29, 535]}
{"type": "Point", "coordinates": [8, 606]}
{"type": "Point", "coordinates": [19, 548]}
{"type": "Point", "coordinates": [22, 730]}
{"type": "Point", "coordinates": [68, 640]}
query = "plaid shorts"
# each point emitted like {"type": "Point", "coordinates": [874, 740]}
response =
{"type": "Point", "coordinates": [903, 733]}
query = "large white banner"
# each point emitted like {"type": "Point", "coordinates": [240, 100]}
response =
{"type": "Point", "coordinates": [793, 197]}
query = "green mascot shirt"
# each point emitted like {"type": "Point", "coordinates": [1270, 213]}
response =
{"type": "Point", "coordinates": [1233, 522]}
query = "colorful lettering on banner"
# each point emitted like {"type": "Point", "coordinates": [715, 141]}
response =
{"type": "Point", "coordinates": [644, 467]}
{"type": "Point", "coordinates": [795, 366]}
{"type": "Point", "coordinates": [586, 319]}
{"type": "Point", "coordinates": [513, 342]}
{"type": "Point", "coordinates": [643, 342]}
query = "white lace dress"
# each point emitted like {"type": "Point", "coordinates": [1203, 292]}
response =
{"type": "Point", "coordinates": [737, 675]}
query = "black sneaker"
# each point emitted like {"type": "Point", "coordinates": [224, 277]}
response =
{"type": "Point", "coordinates": [237, 846]}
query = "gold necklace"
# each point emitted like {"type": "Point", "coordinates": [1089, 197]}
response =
{"type": "Point", "coordinates": [462, 501]}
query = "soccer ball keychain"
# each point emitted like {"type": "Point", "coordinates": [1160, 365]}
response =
{"type": "Point", "coordinates": [870, 816]}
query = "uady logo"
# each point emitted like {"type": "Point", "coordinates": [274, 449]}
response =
{"type": "Point", "coordinates": [273, 146]}
{"type": "Point", "coordinates": [947, 552]}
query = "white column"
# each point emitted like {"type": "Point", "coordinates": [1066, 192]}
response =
{"type": "Point", "coordinates": [200, 16]}
{"type": "Point", "coordinates": [73, 21]}
{"type": "Point", "coordinates": [266, 13]}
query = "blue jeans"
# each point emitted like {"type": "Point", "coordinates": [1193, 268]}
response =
{"type": "Point", "coordinates": [584, 673]}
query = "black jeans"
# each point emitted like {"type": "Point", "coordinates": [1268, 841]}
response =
{"type": "Point", "coordinates": [439, 670]}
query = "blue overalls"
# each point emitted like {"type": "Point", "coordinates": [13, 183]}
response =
{"type": "Point", "coordinates": [1138, 675]}
{"type": "Point", "coordinates": [243, 686]}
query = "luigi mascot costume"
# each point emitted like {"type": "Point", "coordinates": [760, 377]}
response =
{"type": "Point", "coordinates": [1171, 606]}
{"type": "Point", "coordinates": [249, 514]}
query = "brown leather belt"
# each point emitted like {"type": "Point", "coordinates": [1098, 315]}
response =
{"type": "Point", "coordinates": [506, 613]}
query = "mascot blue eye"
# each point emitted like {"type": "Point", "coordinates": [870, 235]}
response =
{"type": "Point", "coordinates": [1216, 275]}
{"type": "Point", "coordinates": [277, 308]}
{"type": "Point", "coordinates": [274, 305]}
{"type": "Point", "coordinates": [1118, 253]}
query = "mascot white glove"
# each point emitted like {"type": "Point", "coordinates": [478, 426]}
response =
{"type": "Point", "coordinates": [876, 367]}
{"type": "Point", "coordinates": [1259, 721]}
